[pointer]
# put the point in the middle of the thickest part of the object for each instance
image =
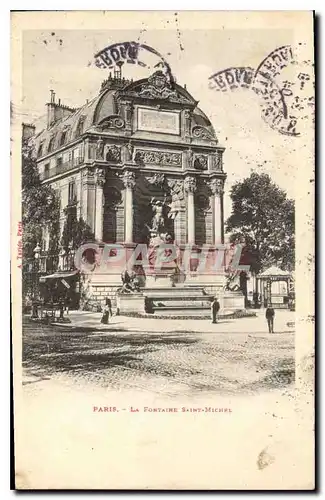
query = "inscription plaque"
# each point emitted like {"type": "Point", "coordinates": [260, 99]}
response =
{"type": "Point", "coordinates": [152, 120]}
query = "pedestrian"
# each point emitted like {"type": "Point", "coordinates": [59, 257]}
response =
{"type": "Point", "coordinates": [269, 314]}
{"type": "Point", "coordinates": [67, 304]}
{"type": "Point", "coordinates": [215, 306]}
{"type": "Point", "coordinates": [107, 312]}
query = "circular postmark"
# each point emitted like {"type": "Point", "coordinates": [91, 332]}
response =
{"type": "Point", "coordinates": [118, 54]}
{"type": "Point", "coordinates": [284, 88]}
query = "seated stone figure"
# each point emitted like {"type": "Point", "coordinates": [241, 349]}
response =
{"type": "Point", "coordinates": [130, 282]}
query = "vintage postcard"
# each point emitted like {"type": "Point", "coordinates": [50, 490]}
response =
{"type": "Point", "coordinates": [163, 250]}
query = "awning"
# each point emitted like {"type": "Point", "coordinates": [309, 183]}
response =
{"type": "Point", "coordinates": [58, 275]}
{"type": "Point", "coordinates": [274, 272]}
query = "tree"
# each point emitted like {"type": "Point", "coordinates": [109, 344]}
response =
{"type": "Point", "coordinates": [40, 205]}
{"type": "Point", "coordinates": [75, 231]}
{"type": "Point", "coordinates": [264, 219]}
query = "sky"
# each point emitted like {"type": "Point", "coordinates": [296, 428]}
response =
{"type": "Point", "coordinates": [63, 60]}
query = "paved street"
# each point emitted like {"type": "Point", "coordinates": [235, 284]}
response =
{"type": "Point", "coordinates": [178, 357]}
{"type": "Point", "coordinates": [133, 364]}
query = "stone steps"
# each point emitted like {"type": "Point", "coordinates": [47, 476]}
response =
{"type": "Point", "coordinates": [183, 302]}
{"type": "Point", "coordinates": [180, 301]}
{"type": "Point", "coordinates": [178, 292]}
{"type": "Point", "coordinates": [182, 311]}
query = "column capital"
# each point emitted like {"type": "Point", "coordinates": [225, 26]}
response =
{"type": "Point", "coordinates": [190, 184]}
{"type": "Point", "coordinates": [100, 177]}
{"type": "Point", "coordinates": [88, 176]}
{"type": "Point", "coordinates": [216, 186]}
{"type": "Point", "coordinates": [128, 179]}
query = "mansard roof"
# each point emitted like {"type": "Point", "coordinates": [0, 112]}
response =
{"type": "Point", "coordinates": [105, 104]}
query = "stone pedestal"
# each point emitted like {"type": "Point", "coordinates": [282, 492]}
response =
{"type": "Point", "coordinates": [158, 281]}
{"type": "Point", "coordinates": [233, 301]}
{"type": "Point", "coordinates": [130, 303]}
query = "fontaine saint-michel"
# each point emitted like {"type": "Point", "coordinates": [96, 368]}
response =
{"type": "Point", "coordinates": [140, 163]}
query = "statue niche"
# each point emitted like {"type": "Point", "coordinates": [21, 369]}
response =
{"type": "Point", "coordinates": [162, 215]}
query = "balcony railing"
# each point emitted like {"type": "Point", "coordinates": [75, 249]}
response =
{"type": "Point", "coordinates": [61, 168]}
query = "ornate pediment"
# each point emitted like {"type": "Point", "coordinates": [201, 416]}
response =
{"type": "Point", "coordinates": [157, 86]}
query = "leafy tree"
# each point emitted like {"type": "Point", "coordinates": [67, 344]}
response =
{"type": "Point", "coordinates": [264, 219]}
{"type": "Point", "coordinates": [75, 231]}
{"type": "Point", "coordinates": [40, 205]}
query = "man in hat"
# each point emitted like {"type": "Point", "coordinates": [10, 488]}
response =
{"type": "Point", "coordinates": [269, 314]}
{"type": "Point", "coordinates": [215, 306]}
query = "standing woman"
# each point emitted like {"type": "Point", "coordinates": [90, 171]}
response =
{"type": "Point", "coordinates": [107, 312]}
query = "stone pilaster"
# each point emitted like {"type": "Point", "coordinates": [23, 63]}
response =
{"type": "Point", "coordinates": [99, 209]}
{"type": "Point", "coordinates": [187, 115]}
{"type": "Point", "coordinates": [88, 197]}
{"type": "Point", "coordinates": [129, 183]}
{"type": "Point", "coordinates": [86, 150]}
{"type": "Point", "coordinates": [190, 188]}
{"type": "Point", "coordinates": [216, 186]}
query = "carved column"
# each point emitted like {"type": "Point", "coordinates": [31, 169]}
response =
{"type": "Point", "coordinates": [88, 197]}
{"type": "Point", "coordinates": [100, 149]}
{"type": "Point", "coordinates": [129, 183]}
{"type": "Point", "coordinates": [99, 208]}
{"type": "Point", "coordinates": [187, 123]}
{"type": "Point", "coordinates": [216, 186]}
{"type": "Point", "coordinates": [128, 110]}
{"type": "Point", "coordinates": [190, 188]}
{"type": "Point", "coordinates": [189, 158]}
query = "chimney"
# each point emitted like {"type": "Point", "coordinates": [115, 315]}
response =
{"type": "Point", "coordinates": [51, 109]}
{"type": "Point", "coordinates": [56, 110]}
{"type": "Point", "coordinates": [28, 131]}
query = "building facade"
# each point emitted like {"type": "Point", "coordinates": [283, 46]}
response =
{"type": "Point", "coordinates": [140, 160]}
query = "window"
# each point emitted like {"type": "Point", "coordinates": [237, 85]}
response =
{"type": "Point", "coordinates": [51, 145]}
{"type": "Point", "coordinates": [72, 192]}
{"type": "Point", "coordinates": [40, 149]}
{"type": "Point", "coordinates": [59, 165]}
{"type": "Point", "coordinates": [63, 138]}
{"type": "Point", "coordinates": [46, 170]}
{"type": "Point", "coordinates": [80, 126]}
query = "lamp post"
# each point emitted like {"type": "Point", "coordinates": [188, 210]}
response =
{"type": "Point", "coordinates": [37, 252]}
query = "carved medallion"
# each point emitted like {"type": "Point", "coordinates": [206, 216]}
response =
{"type": "Point", "coordinates": [200, 162]}
{"type": "Point", "coordinates": [113, 153]}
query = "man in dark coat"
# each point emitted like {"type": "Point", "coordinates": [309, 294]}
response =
{"type": "Point", "coordinates": [269, 314]}
{"type": "Point", "coordinates": [215, 306]}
